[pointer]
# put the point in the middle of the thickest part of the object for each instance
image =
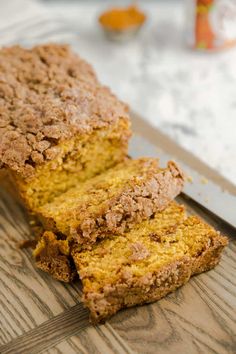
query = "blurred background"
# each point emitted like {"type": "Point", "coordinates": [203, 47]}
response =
{"type": "Point", "coordinates": [185, 88]}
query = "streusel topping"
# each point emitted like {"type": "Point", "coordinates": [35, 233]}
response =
{"type": "Point", "coordinates": [48, 94]}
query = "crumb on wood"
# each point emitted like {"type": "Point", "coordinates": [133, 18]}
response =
{"type": "Point", "coordinates": [190, 179]}
{"type": "Point", "coordinates": [27, 244]}
{"type": "Point", "coordinates": [204, 180]}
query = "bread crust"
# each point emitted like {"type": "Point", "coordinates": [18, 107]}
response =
{"type": "Point", "coordinates": [151, 288]}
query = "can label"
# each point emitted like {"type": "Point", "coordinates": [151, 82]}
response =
{"type": "Point", "coordinates": [212, 24]}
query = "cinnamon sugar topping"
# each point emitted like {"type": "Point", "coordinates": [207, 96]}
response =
{"type": "Point", "coordinates": [48, 94]}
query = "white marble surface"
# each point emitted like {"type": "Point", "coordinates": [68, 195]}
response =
{"type": "Point", "coordinates": [190, 96]}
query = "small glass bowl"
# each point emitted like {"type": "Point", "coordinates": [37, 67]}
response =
{"type": "Point", "coordinates": [122, 35]}
{"type": "Point", "coordinates": [122, 23]}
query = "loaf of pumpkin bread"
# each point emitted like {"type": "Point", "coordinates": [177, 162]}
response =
{"type": "Point", "coordinates": [58, 124]}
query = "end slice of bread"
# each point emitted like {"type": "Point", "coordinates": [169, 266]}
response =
{"type": "Point", "coordinates": [151, 260]}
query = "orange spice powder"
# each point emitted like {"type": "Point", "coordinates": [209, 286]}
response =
{"type": "Point", "coordinates": [122, 18]}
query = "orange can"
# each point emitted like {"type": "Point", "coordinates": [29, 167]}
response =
{"type": "Point", "coordinates": [211, 24]}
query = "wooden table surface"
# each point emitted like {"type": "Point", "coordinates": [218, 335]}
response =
{"type": "Point", "coordinates": [41, 315]}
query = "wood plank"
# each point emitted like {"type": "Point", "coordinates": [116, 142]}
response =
{"type": "Point", "coordinates": [66, 346]}
{"type": "Point", "coordinates": [97, 340]}
{"type": "Point", "coordinates": [102, 339]}
{"type": "Point", "coordinates": [50, 332]}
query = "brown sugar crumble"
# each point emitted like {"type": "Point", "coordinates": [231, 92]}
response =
{"type": "Point", "coordinates": [48, 94]}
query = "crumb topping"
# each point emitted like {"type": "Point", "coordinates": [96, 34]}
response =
{"type": "Point", "coordinates": [139, 251]}
{"type": "Point", "coordinates": [48, 94]}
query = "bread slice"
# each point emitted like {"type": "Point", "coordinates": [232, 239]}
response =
{"type": "Point", "coordinates": [151, 260]}
{"type": "Point", "coordinates": [113, 201]}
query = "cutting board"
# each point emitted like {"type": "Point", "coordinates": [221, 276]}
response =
{"type": "Point", "coordinates": [42, 315]}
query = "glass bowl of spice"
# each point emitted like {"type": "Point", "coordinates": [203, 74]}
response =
{"type": "Point", "coordinates": [122, 23]}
